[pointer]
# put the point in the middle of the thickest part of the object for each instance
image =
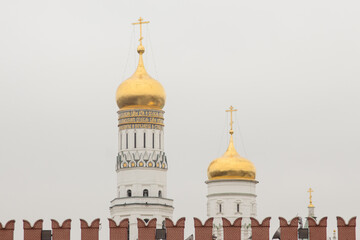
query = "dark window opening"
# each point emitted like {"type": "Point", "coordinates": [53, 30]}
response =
{"type": "Point", "coordinates": [129, 193]}
{"type": "Point", "coordinates": [146, 220]}
{"type": "Point", "coordinates": [238, 207]}
{"type": "Point", "coordinates": [160, 194]}
{"type": "Point", "coordinates": [159, 140]}
{"type": "Point", "coordinates": [134, 140]}
{"type": "Point", "coordinates": [145, 193]}
{"type": "Point", "coordinates": [121, 147]}
{"type": "Point", "coordinates": [127, 138]}
{"type": "Point", "coordinates": [220, 208]}
{"type": "Point", "coordinates": [153, 140]}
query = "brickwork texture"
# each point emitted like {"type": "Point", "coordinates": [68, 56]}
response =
{"type": "Point", "coordinates": [260, 231]}
{"type": "Point", "coordinates": [203, 232]}
{"type": "Point", "coordinates": [90, 232]}
{"type": "Point", "coordinates": [317, 231]}
{"type": "Point", "coordinates": [119, 232]}
{"type": "Point", "coordinates": [61, 232]}
{"type": "Point", "coordinates": [7, 232]}
{"type": "Point", "coordinates": [175, 232]}
{"type": "Point", "coordinates": [289, 231]}
{"type": "Point", "coordinates": [232, 231]}
{"type": "Point", "coordinates": [34, 232]}
{"type": "Point", "coordinates": [346, 231]}
{"type": "Point", "coordinates": [146, 231]}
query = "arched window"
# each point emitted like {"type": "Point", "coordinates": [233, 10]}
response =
{"type": "Point", "coordinates": [160, 194]}
{"type": "Point", "coordinates": [129, 193]}
{"type": "Point", "coordinates": [145, 193]}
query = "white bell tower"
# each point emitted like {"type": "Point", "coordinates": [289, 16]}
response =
{"type": "Point", "coordinates": [141, 164]}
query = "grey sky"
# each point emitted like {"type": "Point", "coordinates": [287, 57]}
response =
{"type": "Point", "coordinates": [291, 68]}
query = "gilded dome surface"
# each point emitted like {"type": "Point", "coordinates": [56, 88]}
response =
{"type": "Point", "coordinates": [231, 166]}
{"type": "Point", "coordinates": [140, 90]}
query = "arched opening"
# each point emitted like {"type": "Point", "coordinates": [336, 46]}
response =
{"type": "Point", "coordinates": [129, 193]}
{"type": "Point", "coordinates": [145, 193]}
{"type": "Point", "coordinates": [160, 194]}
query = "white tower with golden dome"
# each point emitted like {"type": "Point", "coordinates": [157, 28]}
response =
{"type": "Point", "coordinates": [141, 164]}
{"type": "Point", "coordinates": [231, 188]}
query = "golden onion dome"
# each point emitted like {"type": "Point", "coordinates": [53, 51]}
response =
{"type": "Point", "coordinates": [231, 166]}
{"type": "Point", "coordinates": [140, 90]}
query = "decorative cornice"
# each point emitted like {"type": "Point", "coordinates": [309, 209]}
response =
{"type": "Point", "coordinates": [231, 180]}
{"type": "Point", "coordinates": [147, 159]}
{"type": "Point", "coordinates": [141, 204]}
{"type": "Point", "coordinates": [231, 194]}
{"type": "Point", "coordinates": [141, 118]}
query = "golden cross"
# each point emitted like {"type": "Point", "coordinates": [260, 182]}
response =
{"type": "Point", "coordinates": [310, 191]}
{"type": "Point", "coordinates": [141, 22]}
{"type": "Point", "coordinates": [231, 118]}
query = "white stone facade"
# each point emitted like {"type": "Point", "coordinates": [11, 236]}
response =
{"type": "Point", "coordinates": [141, 168]}
{"type": "Point", "coordinates": [231, 198]}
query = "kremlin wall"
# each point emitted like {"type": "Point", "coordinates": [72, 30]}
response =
{"type": "Point", "coordinates": [171, 231]}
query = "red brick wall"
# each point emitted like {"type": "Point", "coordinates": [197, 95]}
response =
{"type": "Point", "coordinates": [146, 232]}
{"type": "Point", "coordinates": [61, 232]}
{"type": "Point", "coordinates": [7, 232]}
{"type": "Point", "coordinates": [119, 232]}
{"type": "Point", "coordinates": [32, 233]}
{"type": "Point", "coordinates": [289, 231]}
{"type": "Point", "coordinates": [346, 231]}
{"type": "Point", "coordinates": [90, 232]}
{"type": "Point", "coordinates": [203, 232]}
{"type": "Point", "coordinates": [260, 231]}
{"type": "Point", "coordinates": [317, 231]}
{"type": "Point", "coordinates": [232, 231]}
{"type": "Point", "coordinates": [175, 232]}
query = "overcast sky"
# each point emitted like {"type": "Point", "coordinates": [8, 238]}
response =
{"type": "Point", "coordinates": [291, 68]}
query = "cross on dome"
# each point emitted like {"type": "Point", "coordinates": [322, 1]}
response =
{"type": "Point", "coordinates": [231, 118]}
{"type": "Point", "coordinates": [310, 191]}
{"type": "Point", "coordinates": [141, 22]}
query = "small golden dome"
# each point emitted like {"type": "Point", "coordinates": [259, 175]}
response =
{"type": "Point", "coordinates": [231, 165]}
{"type": "Point", "coordinates": [140, 90]}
